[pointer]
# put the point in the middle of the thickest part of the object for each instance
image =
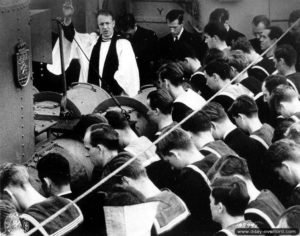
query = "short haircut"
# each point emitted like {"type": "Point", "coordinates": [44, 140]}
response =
{"type": "Point", "coordinates": [220, 15]}
{"type": "Point", "coordinates": [220, 67]}
{"type": "Point", "coordinates": [177, 139]}
{"type": "Point", "coordinates": [175, 15]}
{"type": "Point", "coordinates": [126, 22]}
{"type": "Point", "coordinates": [134, 170]}
{"type": "Point", "coordinates": [272, 81]}
{"type": "Point", "coordinates": [213, 54]}
{"type": "Point", "coordinates": [56, 167]}
{"type": "Point", "coordinates": [123, 196]}
{"type": "Point", "coordinates": [106, 136]}
{"type": "Point", "coordinates": [215, 112]}
{"type": "Point", "coordinates": [275, 32]}
{"type": "Point", "coordinates": [282, 93]}
{"type": "Point", "coordinates": [117, 119]}
{"type": "Point", "coordinates": [85, 122]}
{"type": "Point", "coordinates": [231, 165]}
{"type": "Point", "coordinates": [232, 193]}
{"type": "Point", "coordinates": [244, 104]}
{"type": "Point", "coordinates": [295, 15]}
{"type": "Point", "coordinates": [199, 122]}
{"type": "Point", "coordinates": [173, 72]}
{"type": "Point", "coordinates": [293, 132]}
{"type": "Point", "coordinates": [104, 12]}
{"type": "Point", "coordinates": [216, 28]}
{"type": "Point", "coordinates": [13, 174]}
{"type": "Point", "coordinates": [280, 151]}
{"type": "Point", "coordinates": [292, 216]}
{"type": "Point", "coordinates": [281, 129]}
{"type": "Point", "coordinates": [261, 19]}
{"type": "Point", "coordinates": [162, 100]}
{"type": "Point", "coordinates": [243, 44]}
{"type": "Point", "coordinates": [287, 53]}
{"type": "Point", "coordinates": [237, 59]}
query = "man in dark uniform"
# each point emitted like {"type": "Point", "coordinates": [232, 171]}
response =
{"type": "Point", "coordinates": [144, 44]}
{"type": "Point", "coordinates": [259, 23]}
{"type": "Point", "coordinates": [170, 47]}
{"type": "Point", "coordinates": [263, 208]}
{"type": "Point", "coordinates": [221, 15]}
{"type": "Point", "coordinates": [283, 158]}
{"type": "Point", "coordinates": [237, 140]}
{"type": "Point", "coordinates": [192, 185]}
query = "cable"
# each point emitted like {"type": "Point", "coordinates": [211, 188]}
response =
{"type": "Point", "coordinates": [156, 141]}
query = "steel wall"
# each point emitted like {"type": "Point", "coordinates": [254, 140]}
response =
{"type": "Point", "coordinates": [16, 111]}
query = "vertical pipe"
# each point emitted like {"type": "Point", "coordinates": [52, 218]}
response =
{"type": "Point", "coordinates": [63, 103]}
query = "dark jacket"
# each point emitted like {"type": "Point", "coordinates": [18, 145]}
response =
{"type": "Point", "coordinates": [144, 44]}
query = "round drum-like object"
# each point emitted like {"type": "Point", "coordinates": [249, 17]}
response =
{"type": "Point", "coordinates": [74, 151]}
{"type": "Point", "coordinates": [136, 109]}
{"type": "Point", "coordinates": [143, 93]}
{"type": "Point", "coordinates": [47, 111]}
{"type": "Point", "coordinates": [86, 97]}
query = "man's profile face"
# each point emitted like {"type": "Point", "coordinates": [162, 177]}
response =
{"type": "Point", "coordinates": [265, 41]}
{"type": "Point", "coordinates": [174, 27]}
{"type": "Point", "coordinates": [210, 41]}
{"type": "Point", "coordinates": [93, 152]}
{"type": "Point", "coordinates": [258, 29]}
{"type": "Point", "coordinates": [106, 26]}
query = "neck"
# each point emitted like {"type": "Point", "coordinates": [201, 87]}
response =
{"type": "Point", "coordinates": [242, 77]}
{"type": "Point", "coordinates": [130, 136]}
{"type": "Point", "coordinates": [222, 45]}
{"type": "Point", "coordinates": [202, 138]}
{"type": "Point", "coordinates": [254, 56]}
{"type": "Point", "coordinates": [270, 53]}
{"type": "Point", "coordinates": [296, 106]}
{"type": "Point", "coordinates": [195, 65]}
{"type": "Point", "coordinates": [32, 197]}
{"type": "Point", "coordinates": [252, 190]}
{"type": "Point", "coordinates": [146, 187]}
{"type": "Point", "coordinates": [289, 71]}
{"type": "Point", "coordinates": [177, 91]}
{"type": "Point", "coordinates": [164, 121]}
{"type": "Point", "coordinates": [230, 220]}
{"type": "Point", "coordinates": [227, 126]}
{"type": "Point", "coordinates": [192, 156]}
{"type": "Point", "coordinates": [62, 189]}
{"type": "Point", "coordinates": [223, 83]}
{"type": "Point", "coordinates": [254, 124]}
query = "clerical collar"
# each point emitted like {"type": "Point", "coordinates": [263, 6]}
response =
{"type": "Point", "coordinates": [106, 39]}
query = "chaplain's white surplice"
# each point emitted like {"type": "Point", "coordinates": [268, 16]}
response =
{"type": "Point", "coordinates": [127, 74]}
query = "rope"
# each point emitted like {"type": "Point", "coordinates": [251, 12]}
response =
{"type": "Point", "coordinates": [157, 140]}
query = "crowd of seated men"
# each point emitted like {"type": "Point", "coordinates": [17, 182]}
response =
{"type": "Point", "coordinates": [233, 166]}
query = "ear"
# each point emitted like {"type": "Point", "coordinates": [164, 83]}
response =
{"type": "Point", "coordinates": [175, 154]}
{"type": "Point", "coordinates": [213, 125]}
{"type": "Point", "coordinates": [216, 76]}
{"type": "Point", "coordinates": [221, 207]}
{"type": "Point", "coordinates": [242, 116]}
{"type": "Point", "coordinates": [280, 107]}
{"type": "Point", "coordinates": [48, 182]}
{"type": "Point", "coordinates": [286, 165]}
{"type": "Point", "coordinates": [281, 61]}
{"type": "Point", "coordinates": [126, 180]}
{"type": "Point", "coordinates": [157, 110]}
